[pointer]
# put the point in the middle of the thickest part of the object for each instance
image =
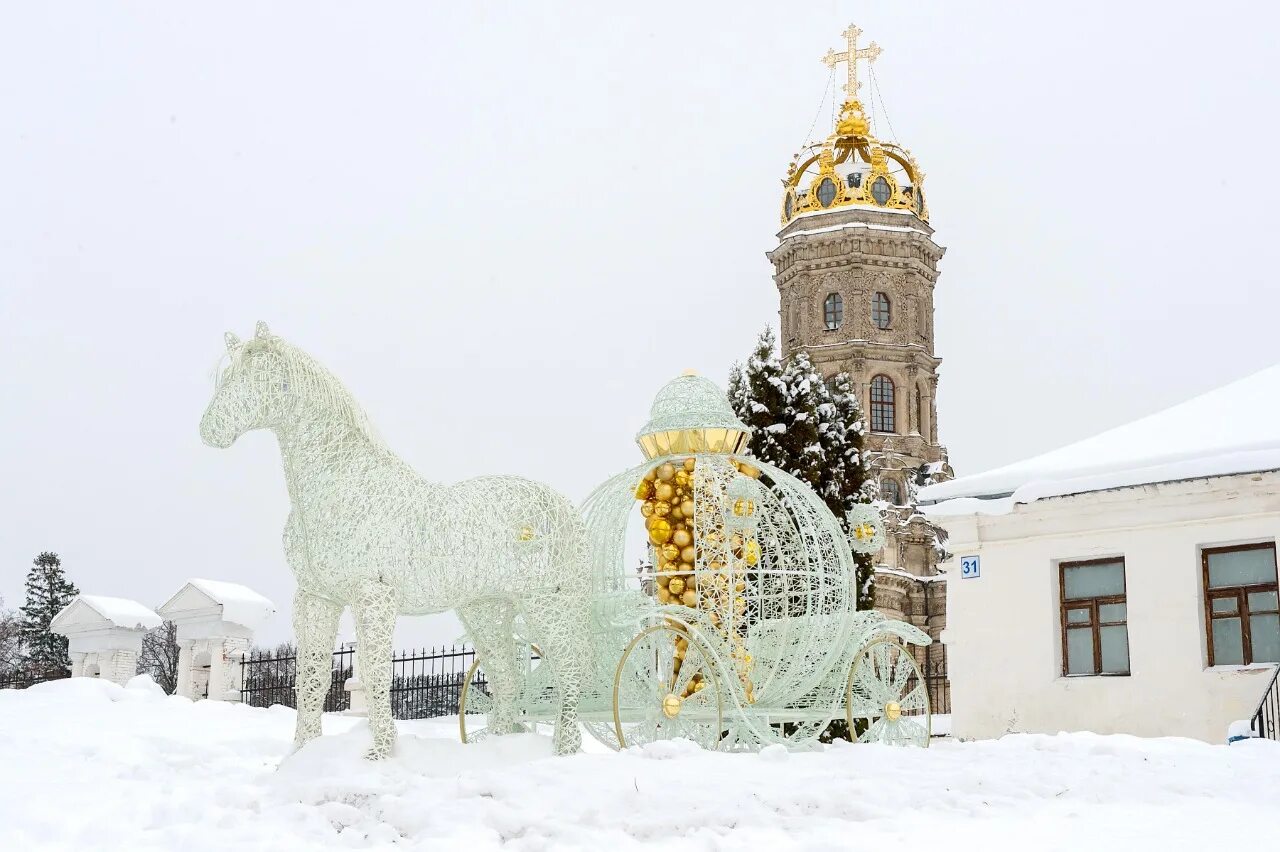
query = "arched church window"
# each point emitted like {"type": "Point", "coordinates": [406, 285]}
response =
{"type": "Point", "coordinates": [833, 311]}
{"type": "Point", "coordinates": [919, 200]}
{"type": "Point", "coordinates": [791, 205]}
{"type": "Point", "coordinates": [880, 314]}
{"type": "Point", "coordinates": [890, 491]}
{"type": "Point", "coordinates": [826, 192]}
{"type": "Point", "coordinates": [880, 191]}
{"type": "Point", "coordinates": [882, 404]}
{"type": "Point", "coordinates": [919, 418]}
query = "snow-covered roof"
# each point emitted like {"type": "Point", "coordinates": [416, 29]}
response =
{"type": "Point", "coordinates": [95, 611]}
{"type": "Point", "coordinates": [1233, 429]}
{"type": "Point", "coordinates": [238, 604]}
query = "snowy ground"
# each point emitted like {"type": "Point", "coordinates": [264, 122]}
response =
{"type": "Point", "coordinates": [91, 766]}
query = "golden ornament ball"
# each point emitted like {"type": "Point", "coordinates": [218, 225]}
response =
{"type": "Point", "coordinates": [689, 464]}
{"type": "Point", "coordinates": [670, 552]}
{"type": "Point", "coordinates": [683, 538]}
{"type": "Point", "coordinates": [666, 471]}
{"type": "Point", "coordinates": [664, 491]}
{"type": "Point", "coordinates": [675, 585]}
{"type": "Point", "coordinates": [676, 514]}
{"type": "Point", "coordinates": [526, 533]}
{"type": "Point", "coordinates": [686, 506]}
{"type": "Point", "coordinates": [646, 508]}
{"type": "Point", "coordinates": [683, 479]}
{"type": "Point", "coordinates": [651, 475]}
{"type": "Point", "coordinates": [663, 595]}
{"type": "Point", "coordinates": [690, 597]}
{"type": "Point", "coordinates": [751, 552]}
{"type": "Point", "coordinates": [687, 554]}
{"type": "Point", "coordinates": [686, 567]}
{"type": "Point", "coordinates": [644, 490]}
{"type": "Point", "coordinates": [661, 508]}
{"type": "Point", "coordinates": [659, 530]}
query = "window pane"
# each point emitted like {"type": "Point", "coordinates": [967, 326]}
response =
{"type": "Point", "coordinates": [1225, 604]}
{"type": "Point", "coordinates": [1242, 567]}
{"type": "Point", "coordinates": [1112, 612]}
{"type": "Point", "coordinates": [1115, 649]}
{"type": "Point", "coordinates": [1080, 650]}
{"type": "Point", "coordinates": [1262, 602]}
{"type": "Point", "coordinates": [1264, 638]}
{"type": "Point", "coordinates": [1227, 647]}
{"type": "Point", "coordinates": [1078, 616]}
{"type": "Point", "coordinates": [1093, 581]}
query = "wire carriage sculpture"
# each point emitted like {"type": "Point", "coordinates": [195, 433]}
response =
{"type": "Point", "coordinates": [367, 531]}
{"type": "Point", "coordinates": [741, 629]}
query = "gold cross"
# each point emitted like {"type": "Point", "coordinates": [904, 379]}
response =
{"type": "Point", "coordinates": [851, 56]}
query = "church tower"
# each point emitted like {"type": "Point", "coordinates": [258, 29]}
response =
{"type": "Point", "coordinates": [856, 267]}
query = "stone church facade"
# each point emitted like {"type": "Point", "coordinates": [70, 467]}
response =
{"type": "Point", "coordinates": [856, 266]}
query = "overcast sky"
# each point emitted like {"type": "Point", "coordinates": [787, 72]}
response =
{"type": "Point", "coordinates": [505, 226]}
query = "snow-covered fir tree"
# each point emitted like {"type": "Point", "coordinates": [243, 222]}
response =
{"type": "Point", "coordinates": [758, 396]}
{"type": "Point", "coordinates": [810, 428]}
{"type": "Point", "coordinates": [48, 592]}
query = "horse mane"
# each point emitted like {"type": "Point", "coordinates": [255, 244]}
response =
{"type": "Point", "coordinates": [305, 372]}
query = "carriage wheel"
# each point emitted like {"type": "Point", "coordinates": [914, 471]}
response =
{"type": "Point", "coordinates": [666, 687]}
{"type": "Point", "coordinates": [887, 689]}
{"type": "Point", "coordinates": [475, 703]}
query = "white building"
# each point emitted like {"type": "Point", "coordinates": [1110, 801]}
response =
{"type": "Point", "coordinates": [105, 635]}
{"type": "Point", "coordinates": [215, 621]}
{"type": "Point", "coordinates": [1125, 583]}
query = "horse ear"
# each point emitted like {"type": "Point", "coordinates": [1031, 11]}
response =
{"type": "Point", "coordinates": [232, 341]}
{"type": "Point", "coordinates": [261, 332]}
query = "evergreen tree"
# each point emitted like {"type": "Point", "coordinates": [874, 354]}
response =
{"type": "Point", "coordinates": [814, 430]}
{"type": "Point", "coordinates": [851, 481]}
{"type": "Point", "coordinates": [810, 428]}
{"type": "Point", "coordinates": [758, 397]}
{"type": "Point", "coordinates": [48, 592]}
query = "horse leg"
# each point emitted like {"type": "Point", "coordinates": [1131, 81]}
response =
{"type": "Point", "coordinates": [315, 623]}
{"type": "Point", "coordinates": [488, 623]}
{"type": "Point", "coordinates": [375, 615]}
{"type": "Point", "coordinates": [559, 625]}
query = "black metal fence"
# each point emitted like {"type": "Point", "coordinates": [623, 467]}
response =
{"type": "Point", "coordinates": [935, 676]}
{"type": "Point", "coordinates": [1266, 721]}
{"type": "Point", "coordinates": [424, 683]}
{"type": "Point", "coordinates": [23, 681]}
{"type": "Point", "coordinates": [268, 680]}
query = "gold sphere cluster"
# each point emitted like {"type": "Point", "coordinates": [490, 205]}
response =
{"type": "Point", "coordinates": [667, 505]}
{"type": "Point", "coordinates": [704, 568]}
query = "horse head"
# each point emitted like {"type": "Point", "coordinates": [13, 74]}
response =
{"type": "Point", "coordinates": [252, 391]}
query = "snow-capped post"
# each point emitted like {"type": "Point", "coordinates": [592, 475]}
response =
{"type": "Point", "coordinates": [215, 622]}
{"type": "Point", "coordinates": [105, 635]}
{"type": "Point", "coordinates": [358, 706]}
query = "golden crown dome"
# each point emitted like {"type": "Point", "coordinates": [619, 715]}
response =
{"type": "Point", "coordinates": [851, 167]}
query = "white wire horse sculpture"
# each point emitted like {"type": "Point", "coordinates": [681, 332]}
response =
{"type": "Point", "coordinates": [367, 531]}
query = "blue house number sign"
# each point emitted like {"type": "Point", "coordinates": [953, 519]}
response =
{"type": "Point", "coordinates": [970, 567]}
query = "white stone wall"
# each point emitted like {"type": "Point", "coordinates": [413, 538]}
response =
{"type": "Point", "coordinates": [1003, 628]}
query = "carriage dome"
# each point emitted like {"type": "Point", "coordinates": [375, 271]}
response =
{"type": "Point", "coordinates": [691, 415]}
